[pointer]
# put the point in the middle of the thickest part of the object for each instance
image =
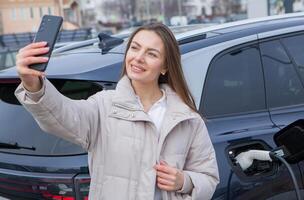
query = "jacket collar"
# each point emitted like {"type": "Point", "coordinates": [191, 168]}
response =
{"type": "Point", "coordinates": [125, 97]}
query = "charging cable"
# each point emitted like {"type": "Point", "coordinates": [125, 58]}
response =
{"type": "Point", "coordinates": [245, 160]}
{"type": "Point", "coordinates": [275, 156]}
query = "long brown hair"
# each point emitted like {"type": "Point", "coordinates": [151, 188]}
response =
{"type": "Point", "coordinates": [174, 76]}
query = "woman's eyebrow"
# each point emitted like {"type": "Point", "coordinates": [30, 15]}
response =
{"type": "Point", "coordinates": [149, 49]}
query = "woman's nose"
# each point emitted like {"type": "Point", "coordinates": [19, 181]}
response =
{"type": "Point", "coordinates": [140, 56]}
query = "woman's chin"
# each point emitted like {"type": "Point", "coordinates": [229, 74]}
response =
{"type": "Point", "coordinates": [136, 76]}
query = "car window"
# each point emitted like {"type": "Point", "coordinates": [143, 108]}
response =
{"type": "Point", "coordinates": [7, 58]}
{"type": "Point", "coordinates": [17, 125]}
{"type": "Point", "coordinates": [294, 45]}
{"type": "Point", "coordinates": [234, 83]}
{"type": "Point", "coordinates": [283, 85]}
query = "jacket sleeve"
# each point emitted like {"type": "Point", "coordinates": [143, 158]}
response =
{"type": "Point", "coordinates": [201, 166]}
{"type": "Point", "coordinates": [73, 120]}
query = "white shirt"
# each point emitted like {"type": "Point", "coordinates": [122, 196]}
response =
{"type": "Point", "coordinates": [156, 114]}
{"type": "Point", "coordinates": [157, 111]}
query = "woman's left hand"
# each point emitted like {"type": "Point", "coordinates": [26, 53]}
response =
{"type": "Point", "coordinates": [169, 178]}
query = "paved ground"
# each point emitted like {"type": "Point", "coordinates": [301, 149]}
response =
{"type": "Point", "coordinates": [2, 198]}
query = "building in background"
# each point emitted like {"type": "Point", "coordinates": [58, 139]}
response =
{"type": "Point", "coordinates": [102, 15]}
{"type": "Point", "coordinates": [87, 12]}
{"type": "Point", "coordinates": [285, 6]}
{"type": "Point", "coordinates": [71, 14]}
{"type": "Point", "coordinates": [25, 15]}
{"type": "Point", "coordinates": [195, 8]}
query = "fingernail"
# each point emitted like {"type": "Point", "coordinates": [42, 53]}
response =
{"type": "Point", "coordinates": [46, 58]}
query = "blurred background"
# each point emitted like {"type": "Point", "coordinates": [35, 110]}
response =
{"type": "Point", "coordinates": [19, 16]}
{"type": "Point", "coordinates": [84, 19]}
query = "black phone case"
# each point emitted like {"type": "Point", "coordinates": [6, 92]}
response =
{"type": "Point", "coordinates": [48, 31]}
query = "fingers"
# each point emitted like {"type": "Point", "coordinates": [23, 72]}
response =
{"type": "Point", "coordinates": [32, 52]}
{"type": "Point", "coordinates": [33, 45]}
{"type": "Point", "coordinates": [165, 187]}
{"type": "Point", "coordinates": [28, 71]}
{"type": "Point", "coordinates": [166, 182]}
{"type": "Point", "coordinates": [27, 56]}
{"type": "Point", "coordinates": [34, 49]}
{"type": "Point", "coordinates": [165, 176]}
{"type": "Point", "coordinates": [166, 168]}
{"type": "Point", "coordinates": [30, 60]}
{"type": "Point", "coordinates": [168, 178]}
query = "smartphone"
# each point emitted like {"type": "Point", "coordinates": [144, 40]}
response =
{"type": "Point", "coordinates": [48, 31]}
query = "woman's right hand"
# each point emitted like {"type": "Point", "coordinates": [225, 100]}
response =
{"type": "Point", "coordinates": [27, 56]}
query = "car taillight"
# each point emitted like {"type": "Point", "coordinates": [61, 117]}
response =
{"type": "Point", "coordinates": [48, 187]}
{"type": "Point", "coordinates": [58, 197]}
{"type": "Point", "coordinates": [59, 191]}
{"type": "Point", "coordinates": [82, 184]}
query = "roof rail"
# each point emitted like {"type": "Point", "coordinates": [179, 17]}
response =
{"type": "Point", "coordinates": [237, 23]}
{"type": "Point", "coordinates": [76, 45]}
{"type": "Point", "coordinates": [105, 43]}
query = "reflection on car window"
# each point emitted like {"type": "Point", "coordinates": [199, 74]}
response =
{"type": "Point", "coordinates": [295, 47]}
{"type": "Point", "coordinates": [283, 85]}
{"type": "Point", "coordinates": [7, 58]}
{"type": "Point", "coordinates": [72, 89]}
{"type": "Point", "coordinates": [76, 89]}
{"type": "Point", "coordinates": [235, 83]}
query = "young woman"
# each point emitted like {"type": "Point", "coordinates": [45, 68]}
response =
{"type": "Point", "coordinates": [145, 140]}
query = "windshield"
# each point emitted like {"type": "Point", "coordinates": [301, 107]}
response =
{"type": "Point", "coordinates": [18, 126]}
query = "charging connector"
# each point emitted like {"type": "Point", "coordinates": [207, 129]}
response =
{"type": "Point", "coordinates": [245, 159]}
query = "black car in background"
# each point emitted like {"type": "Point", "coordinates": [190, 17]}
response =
{"type": "Point", "coordinates": [247, 79]}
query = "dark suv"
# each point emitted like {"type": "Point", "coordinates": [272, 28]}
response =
{"type": "Point", "coordinates": [247, 79]}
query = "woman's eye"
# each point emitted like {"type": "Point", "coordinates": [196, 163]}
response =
{"type": "Point", "coordinates": [133, 47]}
{"type": "Point", "coordinates": [152, 55]}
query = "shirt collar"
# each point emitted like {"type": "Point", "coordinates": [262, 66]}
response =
{"type": "Point", "coordinates": [160, 102]}
{"type": "Point", "coordinates": [126, 97]}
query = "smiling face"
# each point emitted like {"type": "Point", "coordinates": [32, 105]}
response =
{"type": "Point", "coordinates": [145, 58]}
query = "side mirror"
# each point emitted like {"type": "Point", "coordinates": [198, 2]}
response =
{"type": "Point", "coordinates": [259, 169]}
{"type": "Point", "coordinates": [291, 138]}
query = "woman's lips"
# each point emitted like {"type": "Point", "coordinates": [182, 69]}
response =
{"type": "Point", "coordinates": [137, 68]}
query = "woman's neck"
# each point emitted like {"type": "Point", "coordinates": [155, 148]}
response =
{"type": "Point", "coordinates": [148, 93]}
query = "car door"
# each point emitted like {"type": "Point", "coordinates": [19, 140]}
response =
{"type": "Point", "coordinates": [284, 77]}
{"type": "Point", "coordinates": [283, 61]}
{"type": "Point", "coordinates": [235, 110]}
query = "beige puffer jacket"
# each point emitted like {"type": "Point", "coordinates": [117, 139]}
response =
{"type": "Point", "coordinates": [122, 143]}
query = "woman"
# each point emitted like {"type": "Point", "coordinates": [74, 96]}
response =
{"type": "Point", "coordinates": [144, 139]}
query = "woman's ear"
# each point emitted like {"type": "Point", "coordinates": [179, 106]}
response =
{"type": "Point", "coordinates": [163, 71]}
